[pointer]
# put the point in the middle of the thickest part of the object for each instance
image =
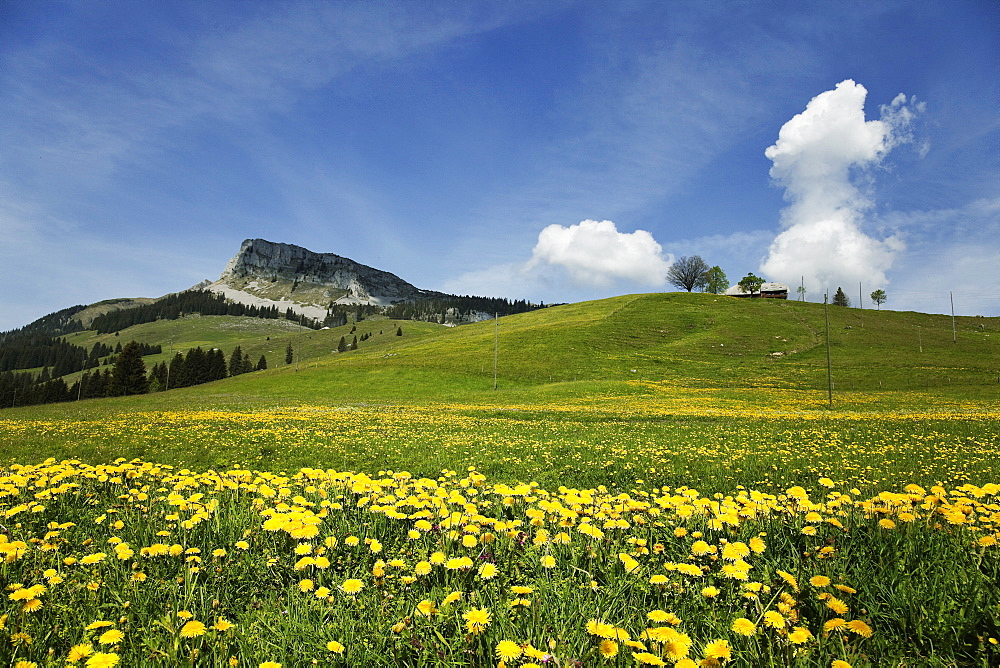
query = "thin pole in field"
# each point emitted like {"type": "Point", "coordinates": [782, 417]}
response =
{"type": "Point", "coordinates": [829, 369]}
{"type": "Point", "coordinates": [496, 346]}
{"type": "Point", "coordinates": [954, 332]}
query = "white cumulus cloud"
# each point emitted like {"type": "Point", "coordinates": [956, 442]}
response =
{"type": "Point", "coordinates": [820, 156]}
{"type": "Point", "coordinates": [596, 253]}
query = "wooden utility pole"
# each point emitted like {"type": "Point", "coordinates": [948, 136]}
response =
{"type": "Point", "coordinates": [829, 366]}
{"type": "Point", "coordinates": [954, 332]}
{"type": "Point", "coordinates": [496, 346]}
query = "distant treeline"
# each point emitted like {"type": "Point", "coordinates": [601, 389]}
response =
{"type": "Point", "coordinates": [447, 308]}
{"type": "Point", "coordinates": [56, 356]}
{"type": "Point", "coordinates": [125, 373]}
{"type": "Point", "coordinates": [204, 302]}
{"type": "Point", "coordinates": [53, 324]}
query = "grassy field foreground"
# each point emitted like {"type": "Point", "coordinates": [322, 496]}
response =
{"type": "Point", "coordinates": [386, 507]}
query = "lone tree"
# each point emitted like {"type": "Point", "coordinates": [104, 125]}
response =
{"type": "Point", "coordinates": [289, 352]}
{"type": "Point", "coordinates": [129, 374]}
{"type": "Point", "coordinates": [751, 283]}
{"type": "Point", "coordinates": [840, 299]}
{"type": "Point", "coordinates": [688, 273]}
{"type": "Point", "coordinates": [716, 281]}
{"type": "Point", "coordinates": [879, 298]}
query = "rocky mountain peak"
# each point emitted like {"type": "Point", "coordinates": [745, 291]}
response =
{"type": "Point", "coordinates": [288, 276]}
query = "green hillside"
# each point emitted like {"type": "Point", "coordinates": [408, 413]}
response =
{"type": "Point", "coordinates": [694, 340]}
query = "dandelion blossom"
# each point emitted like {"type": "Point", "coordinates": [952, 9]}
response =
{"type": "Point", "coordinates": [192, 629]}
{"type": "Point", "coordinates": [710, 592]}
{"type": "Point", "coordinates": [859, 627]}
{"type": "Point", "coordinates": [647, 659]}
{"type": "Point", "coordinates": [608, 649]}
{"type": "Point", "coordinates": [508, 650]}
{"type": "Point", "coordinates": [352, 586]}
{"type": "Point", "coordinates": [744, 627]}
{"type": "Point", "coordinates": [111, 637]}
{"type": "Point", "coordinates": [488, 571]}
{"type": "Point", "coordinates": [548, 561]}
{"type": "Point", "coordinates": [78, 652]}
{"type": "Point", "coordinates": [222, 624]}
{"type": "Point", "coordinates": [819, 581]}
{"type": "Point", "coordinates": [103, 660]}
{"type": "Point", "coordinates": [719, 649]}
{"type": "Point", "coordinates": [335, 647]}
{"type": "Point", "coordinates": [799, 635]}
{"type": "Point", "coordinates": [476, 620]}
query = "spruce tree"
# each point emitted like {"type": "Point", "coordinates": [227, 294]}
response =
{"type": "Point", "coordinates": [342, 346]}
{"type": "Point", "coordinates": [289, 353]}
{"type": "Point", "coordinates": [129, 375]}
{"type": "Point", "coordinates": [840, 299]}
{"type": "Point", "coordinates": [236, 362]}
{"type": "Point", "coordinates": [261, 363]}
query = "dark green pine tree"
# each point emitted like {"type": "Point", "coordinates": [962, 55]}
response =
{"type": "Point", "coordinates": [342, 346]}
{"type": "Point", "coordinates": [177, 376]}
{"type": "Point", "coordinates": [236, 362]}
{"type": "Point", "coordinates": [289, 353]}
{"type": "Point", "coordinates": [354, 343]}
{"type": "Point", "coordinates": [840, 299]}
{"type": "Point", "coordinates": [129, 375]}
{"type": "Point", "coordinates": [216, 364]}
{"type": "Point", "coordinates": [196, 364]}
{"type": "Point", "coordinates": [246, 366]}
{"type": "Point", "coordinates": [399, 331]}
{"type": "Point", "coordinates": [261, 363]}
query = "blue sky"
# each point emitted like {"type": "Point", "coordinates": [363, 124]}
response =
{"type": "Point", "coordinates": [551, 151]}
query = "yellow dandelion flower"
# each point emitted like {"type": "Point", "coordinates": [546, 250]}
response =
{"type": "Point", "coordinates": [508, 650]}
{"type": "Point", "coordinates": [352, 586]}
{"type": "Point", "coordinates": [790, 579]}
{"type": "Point", "coordinates": [422, 568]}
{"type": "Point", "coordinates": [859, 627]}
{"type": "Point", "coordinates": [744, 627]}
{"type": "Point", "coordinates": [647, 659]}
{"type": "Point", "coordinates": [33, 605]}
{"type": "Point", "coordinates": [476, 620]}
{"type": "Point", "coordinates": [222, 624]}
{"type": "Point", "coordinates": [840, 664]}
{"type": "Point", "coordinates": [426, 608]}
{"type": "Point", "coordinates": [103, 660]}
{"type": "Point", "coordinates": [819, 581]}
{"type": "Point", "coordinates": [548, 561]}
{"type": "Point", "coordinates": [710, 592]}
{"type": "Point", "coordinates": [81, 651]}
{"type": "Point", "coordinates": [799, 635]}
{"type": "Point", "coordinates": [335, 647]}
{"type": "Point", "coordinates": [192, 629]}
{"type": "Point", "coordinates": [488, 571]}
{"type": "Point", "coordinates": [658, 579]}
{"type": "Point", "coordinates": [269, 664]}
{"type": "Point", "coordinates": [608, 649]}
{"type": "Point", "coordinates": [774, 619]}
{"type": "Point", "coordinates": [719, 649]}
{"type": "Point", "coordinates": [111, 637]}
{"type": "Point", "coordinates": [99, 624]}
{"type": "Point", "coordinates": [306, 585]}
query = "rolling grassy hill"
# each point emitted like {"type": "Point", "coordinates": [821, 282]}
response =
{"type": "Point", "coordinates": [693, 340]}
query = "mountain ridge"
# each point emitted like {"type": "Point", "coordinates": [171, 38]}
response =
{"type": "Point", "coordinates": [267, 273]}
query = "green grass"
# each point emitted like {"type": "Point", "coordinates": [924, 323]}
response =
{"type": "Point", "coordinates": [637, 399]}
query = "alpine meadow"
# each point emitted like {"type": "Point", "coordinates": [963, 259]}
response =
{"type": "Point", "coordinates": [647, 480]}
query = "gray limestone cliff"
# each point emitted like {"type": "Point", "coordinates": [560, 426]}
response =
{"type": "Point", "coordinates": [288, 276]}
